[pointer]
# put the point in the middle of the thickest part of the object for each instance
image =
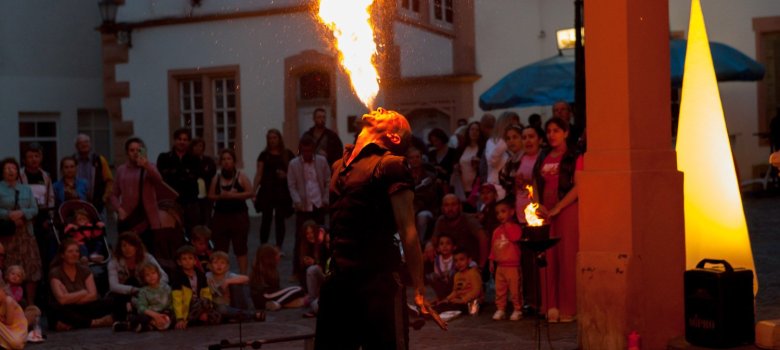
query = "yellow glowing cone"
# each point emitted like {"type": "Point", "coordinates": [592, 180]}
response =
{"type": "Point", "coordinates": [715, 224]}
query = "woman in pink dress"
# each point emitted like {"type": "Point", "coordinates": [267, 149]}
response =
{"type": "Point", "coordinates": [555, 175]}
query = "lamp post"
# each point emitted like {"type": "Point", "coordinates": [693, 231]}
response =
{"type": "Point", "coordinates": [579, 66]}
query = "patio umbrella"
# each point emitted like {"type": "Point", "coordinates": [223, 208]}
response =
{"type": "Point", "coordinates": [538, 84]}
{"type": "Point", "coordinates": [552, 79]}
{"type": "Point", "coordinates": [730, 63]}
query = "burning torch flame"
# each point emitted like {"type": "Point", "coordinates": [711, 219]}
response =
{"type": "Point", "coordinates": [530, 210]}
{"type": "Point", "coordinates": [350, 22]}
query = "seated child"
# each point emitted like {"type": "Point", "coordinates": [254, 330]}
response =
{"type": "Point", "coordinates": [13, 323]}
{"type": "Point", "coordinates": [153, 302]}
{"type": "Point", "coordinates": [229, 291]}
{"type": "Point", "coordinates": [200, 241]}
{"type": "Point", "coordinates": [88, 235]}
{"type": "Point", "coordinates": [14, 277]}
{"type": "Point", "coordinates": [467, 285]}
{"type": "Point", "coordinates": [313, 255]}
{"type": "Point", "coordinates": [191, 293]}
{"type": "Point", "coordinates": [505, 252]}
{"type": "Point", "coordinates": [443, 268]}
{"type": "Point", "coordinates": [266, 289]}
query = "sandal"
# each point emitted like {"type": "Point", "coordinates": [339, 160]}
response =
{"type": "Point", "coordinates": [62, 327]}
{"type": "Point", "coordinates": [309, 314]}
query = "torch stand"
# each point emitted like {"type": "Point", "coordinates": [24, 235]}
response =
{"type": "Point", "coordinates": [538, 245]}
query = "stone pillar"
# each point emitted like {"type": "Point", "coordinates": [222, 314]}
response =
{"type": "Point", "coordinates": [632, 244]}
{"type": "Point", "coordinates": [114, 91]}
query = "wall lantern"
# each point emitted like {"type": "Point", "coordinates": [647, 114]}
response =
{"type": "Point", "coordinates": [567, 38]}
{"type": "Point", "coordinates": [122, 32]}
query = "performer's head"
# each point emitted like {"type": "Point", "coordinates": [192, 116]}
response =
{"type": "Point", "coordinates": [388, 129]}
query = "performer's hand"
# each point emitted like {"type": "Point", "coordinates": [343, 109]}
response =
{"type": "Point", "coordinates": [419, 299]}
{"type": "Point", "coordinates": [426, 310]}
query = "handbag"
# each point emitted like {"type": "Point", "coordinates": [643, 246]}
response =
{"type": "Point", "coordinates": [7, 226]}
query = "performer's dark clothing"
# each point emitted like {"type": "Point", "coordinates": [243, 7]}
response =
{"type": "Point", "coordinates": [362, 302]}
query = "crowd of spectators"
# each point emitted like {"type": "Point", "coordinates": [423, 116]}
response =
{"type": "Point", "coordinates": [178, 218]}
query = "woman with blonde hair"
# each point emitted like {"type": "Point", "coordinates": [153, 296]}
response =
{"type": "Point", "coordinates": [495, 151]}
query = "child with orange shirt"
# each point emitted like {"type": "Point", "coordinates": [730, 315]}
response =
{"type": "Point", "coordinates": [467, 285]}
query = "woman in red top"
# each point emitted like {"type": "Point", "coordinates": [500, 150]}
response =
{"type": "Point", "coordinates": [555, 175]}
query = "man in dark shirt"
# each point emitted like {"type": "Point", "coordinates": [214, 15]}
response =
{"type": "Point", "coordinates": [180, 170]}
{"type": "Point", "coordinates": [328, 143]}
{"type": "Point", "coordinates": [362, 302]}
{"type": "Point", "coordinates": [464, 229]}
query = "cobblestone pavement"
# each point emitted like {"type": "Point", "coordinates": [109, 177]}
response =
{"type": "Point", "coordinates": [464, 333]}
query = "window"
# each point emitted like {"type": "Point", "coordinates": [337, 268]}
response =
{"type": "Point", "coordinates": [442, 11]}
{"type": "Point", "coordinates": [410, 5]}
{"type": "Point", "coordinates": [225, 113]}
{"type": "Point", "coordinates": [41, 128]}
{"type": "Point", "coordinates": [206, 101]}
{"type": "Point", "coordinates": [314, 85]}
{"type": "Point", "coordinates": [96, 124]}
{"type": "Point", "coordinates": [191, 106]}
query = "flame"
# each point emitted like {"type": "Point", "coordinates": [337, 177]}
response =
{"type": "Point", "coordinates": [350, 22]}
{"type": "Point", "coordinates": [530, 209]}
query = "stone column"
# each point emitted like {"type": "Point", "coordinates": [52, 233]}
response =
{"type": "Point", "coordinates": [632, 244]}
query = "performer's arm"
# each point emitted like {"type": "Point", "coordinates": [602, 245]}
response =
{"type": "Point", "coordinates": [405, 221]}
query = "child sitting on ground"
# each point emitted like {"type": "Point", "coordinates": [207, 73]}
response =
{"type": "Point", "coordinates": [467, 285]}
{"type": "Point", "coordinates": [200, 241]}
{"type": "Point", "coordinates": [14, 277]}
{"type": "Point", "coordinates": [505, 252]}
{"type": "Point", "coordinates": [191, 293]}
{"type": "Point", "coordinates": [88, 235]}
{"type": "Point", "coordinates": [229, 290]}
{"type": "Point", "coordinates": [443, 267]}
{"type": "Point", "coordinates": [266, 289]}
{"type": "Point", "coordinates": [13, 323]}
{"type": "Point", "coordinates": [313, 255]}
{"type": "Point", "coordinates": [153, 301]}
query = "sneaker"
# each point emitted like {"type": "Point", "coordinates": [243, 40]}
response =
{"type": "Point", "coordinates": [105, 321]}
{"type": "Point", "coordinates": [553, 316]}
{"type": "Point", "coordinates": [567, 319]}
{"type": "Point", "coordinates": [120, 326]}
{"type": "Point", "coordinates": [499, 315]}
{"type": "Point", "coordinates": [272, 305]}
{"type": "Point", "coordinates": [516, 315]}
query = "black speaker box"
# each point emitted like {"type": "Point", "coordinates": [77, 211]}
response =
{"type": "Point", "coordinates": [719, 306]}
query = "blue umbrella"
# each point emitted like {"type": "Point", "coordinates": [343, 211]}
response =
{"type": "Point", "coordinates": [538, 84]}
{"type": "Point", "coordinates": [730, 63]}
{"type": "Point", "coordinates": [552, 79]}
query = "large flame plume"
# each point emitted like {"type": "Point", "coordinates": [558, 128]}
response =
{"type": "Point", "coordinates": [530, 210]}
{"type": "Point", "coordinates": [350, 22]}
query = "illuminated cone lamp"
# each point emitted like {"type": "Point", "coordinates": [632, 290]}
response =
{"type": "Point", "coordinates": [715, 224]}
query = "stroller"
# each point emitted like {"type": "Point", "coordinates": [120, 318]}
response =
{"type": "Point", "coordinates": [66, 214]}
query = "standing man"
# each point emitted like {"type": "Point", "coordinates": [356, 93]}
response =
{"type": "Point", "coordinates": [180, 170]}
{"type": "Point", "coordinates": [563, 110]}
{"type": "Point", "coordinates": [308, 176]}
{"type": "Point", "coordinates": [327, 142]}
{"type": "Point", "coordinates": [362, 301]}
{"type": "Point", "coordinates": [135, 193]}
{"type": "Point", "coordinates": [93, 168]}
